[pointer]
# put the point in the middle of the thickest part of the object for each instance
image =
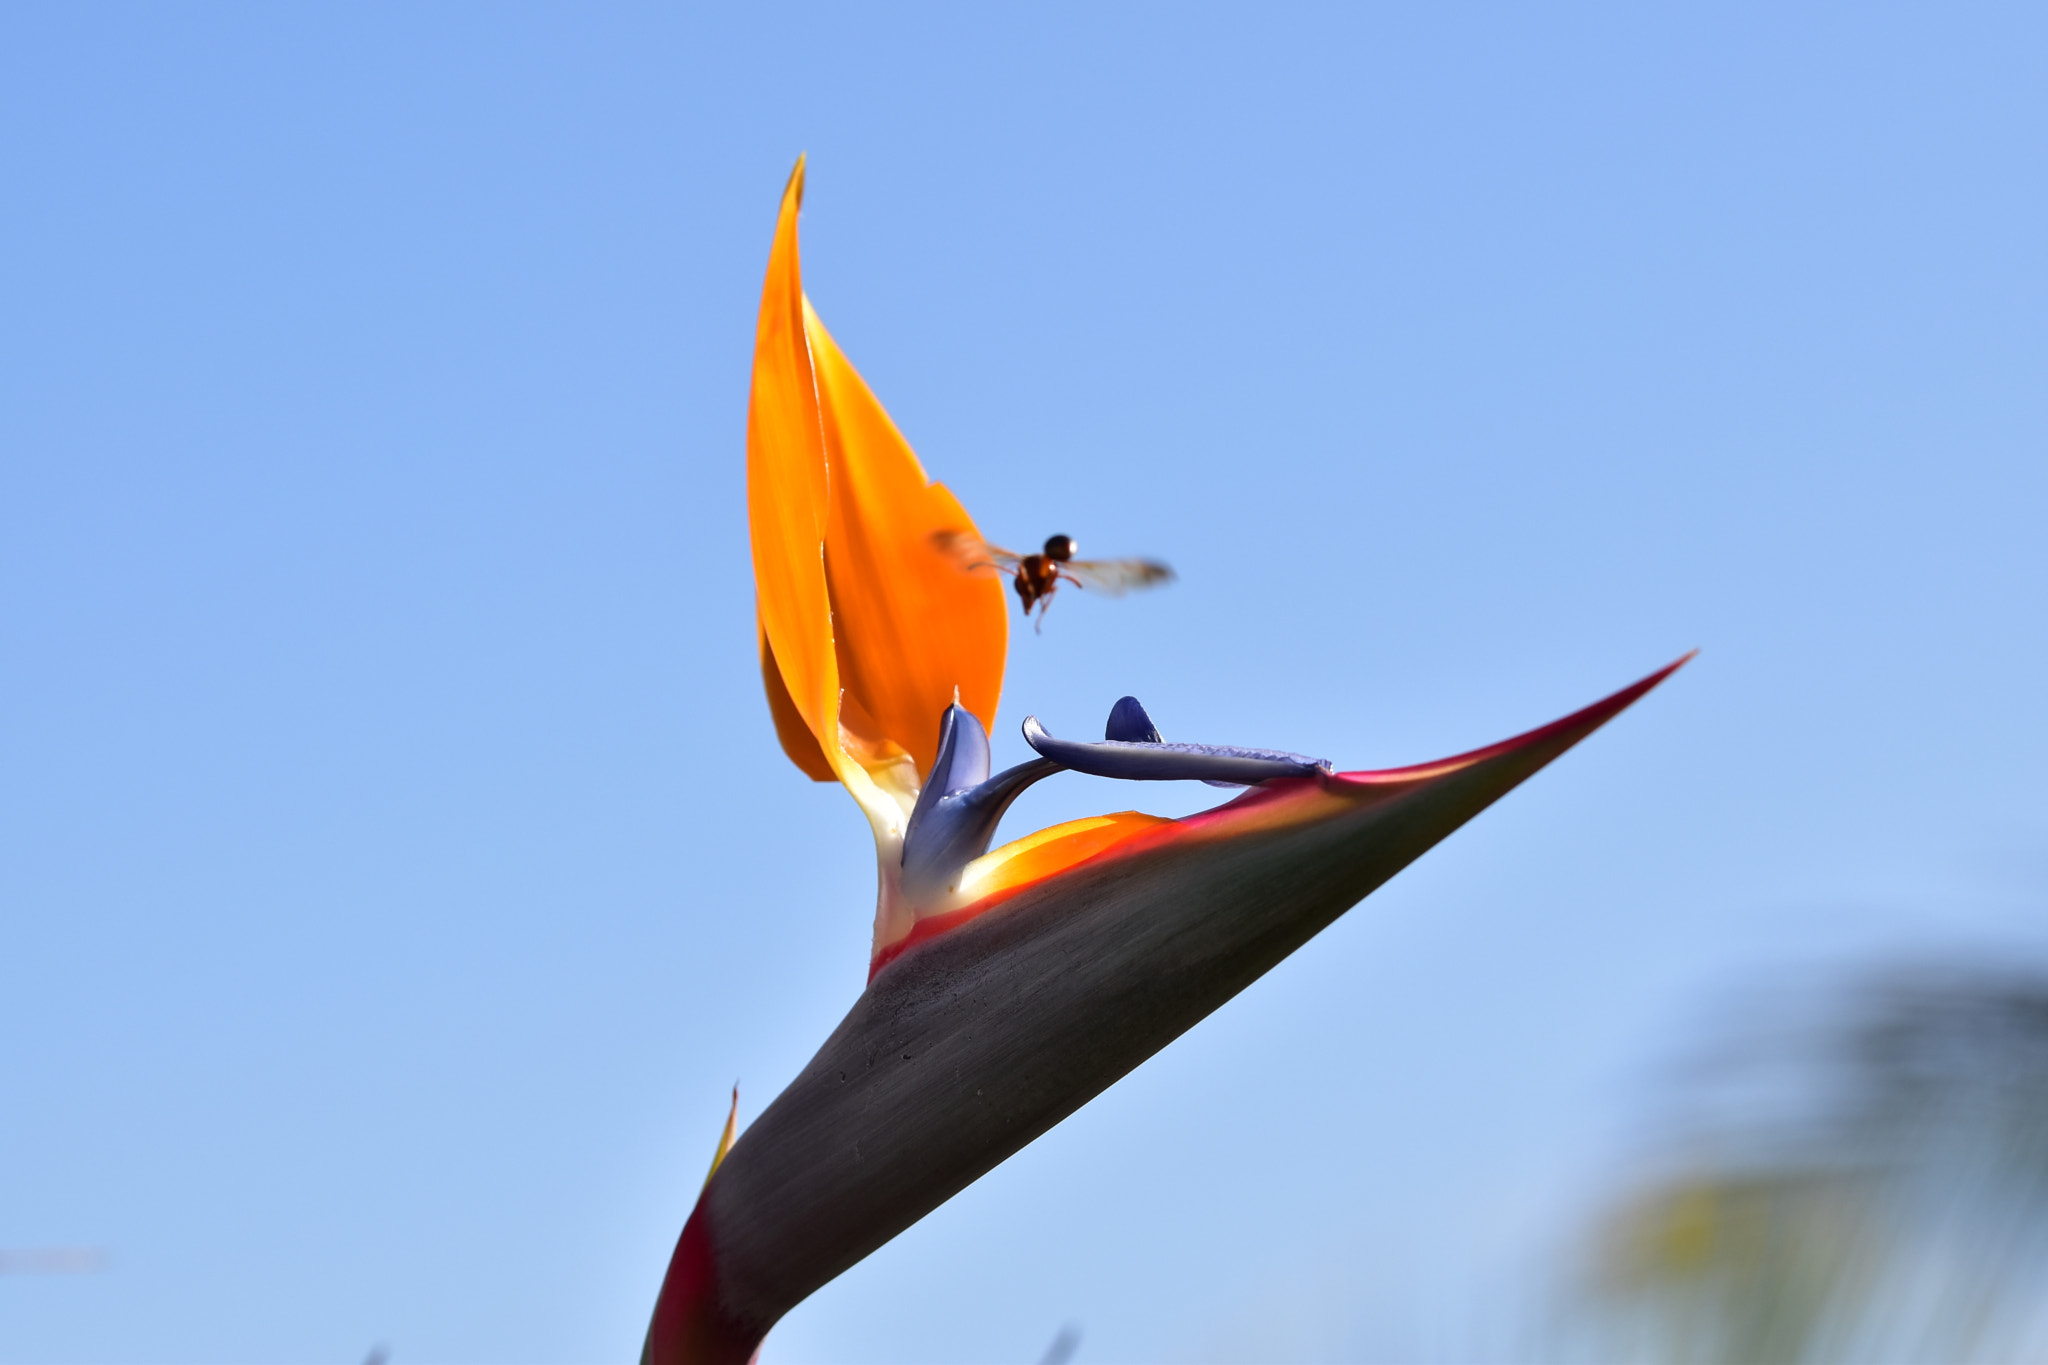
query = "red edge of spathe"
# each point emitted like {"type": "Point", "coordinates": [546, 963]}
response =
{"type": "Point", "coordinates": [931, 927]}
{"type": "Point", "coordinates": [1597, 714]}
{"type": "Point", "coordinates": [688, 1322]}
{"type": "Point", "coordinates": [1267, 793]}
{"type": "Point", "coordinates": [1586, 717]}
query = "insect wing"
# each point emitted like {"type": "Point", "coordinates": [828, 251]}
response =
{"type": "Point", "coordinates": [1115, 577]}
{"type": "Point", "coordinates": [971, 552]}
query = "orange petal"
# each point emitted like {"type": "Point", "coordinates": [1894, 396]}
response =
{"type": "Point", "coordinates": [1023, 863]}
{"type": "Point", "coordinates": [786, 493]}
{"type": "Point", "coordinates": [1050, 851]}
{"type": "Point", "coordinates": [914, 630]}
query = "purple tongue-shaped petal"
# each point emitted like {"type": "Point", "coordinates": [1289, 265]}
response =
{"type": "Point", "coordinates": [1129, 724]}
{"type": "Point", "coordinates": [1154, 761]}
{"type": "Point", "coordinates": [960, 806]}
{"type": "Point", "coordinates": [957, 812]}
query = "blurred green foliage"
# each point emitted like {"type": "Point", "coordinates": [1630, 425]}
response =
{"type": "Point", "coordinates": [1867, 1183]}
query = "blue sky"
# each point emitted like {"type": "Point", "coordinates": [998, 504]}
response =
{"type": "Point", "coordinates": [396, 863]}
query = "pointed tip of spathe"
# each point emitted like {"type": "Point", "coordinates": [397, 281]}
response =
{"type": "Point", "coordinates": [1637, 688]}
{"type": "Point", "coordinates": [1559, 734]}
{"type": "Point", "coordinates": [794, 188]}
{"type": "Point", "coordinates": [728, 1137]}
{"type": "Point", "coordinates": [1589, 718]}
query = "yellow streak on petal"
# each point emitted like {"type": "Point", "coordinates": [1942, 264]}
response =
{"type": "Point", "coordinates": [914, 628]}
{"type": "Point", "coordinates": [726, 1139]}
{"type": "Point", "coordinates": [1053, 850]}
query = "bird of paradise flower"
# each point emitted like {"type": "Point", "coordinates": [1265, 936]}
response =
{"type": "Point", "coordinates": [1007, 987]}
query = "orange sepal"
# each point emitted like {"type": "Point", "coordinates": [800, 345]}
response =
{"type": "Point", "coordinates": [1050, 851]}
{"type": "Point", "coordinates": [1024, 863]}
{"type": "Point", "coordinates": [787, 491]}
{"type": "Point", "coordinates": [915, 630]}
{"type": "Point", "coordinates": [872, 628]}
{"type": "Point", "coordinates": [797, 740]}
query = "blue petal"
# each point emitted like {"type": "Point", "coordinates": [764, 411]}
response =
{"type": "Point", "coordinates": [1158, 762]}
{"type": "Point", "coordinates": [962, 762]}
{"type": "Point", "coordinates": [1128, 724]}
{"type": "Point", "coordinates": [960, 806]}
{"type": "Point", "coordinates": [957, 812]}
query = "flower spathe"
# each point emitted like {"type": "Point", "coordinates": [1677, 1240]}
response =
{"type": "Point", "coordinates": [1007, 986]}
{"type": "Point", "coordinates": [975, 1036]}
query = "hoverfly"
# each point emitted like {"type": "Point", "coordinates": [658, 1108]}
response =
{"type": "Point", "coordinates": [1036, 576]}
